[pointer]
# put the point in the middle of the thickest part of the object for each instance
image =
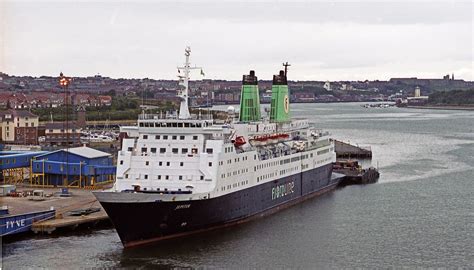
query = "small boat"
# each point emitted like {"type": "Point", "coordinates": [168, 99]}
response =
{"type": "Point", "coordinates": [239, 141]}
{"type": "Point", "coordinates": [269, 138]}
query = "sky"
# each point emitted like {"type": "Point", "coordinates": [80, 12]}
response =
{"type": "Point", "coordinates": [322, 40]}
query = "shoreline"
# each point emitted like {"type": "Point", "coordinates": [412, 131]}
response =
{"type": "Point", "coordinates": [442, 107]}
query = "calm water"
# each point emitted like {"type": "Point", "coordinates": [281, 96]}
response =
{"type": "Point", "coordinates": [420, 214]}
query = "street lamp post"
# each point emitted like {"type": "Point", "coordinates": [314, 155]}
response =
{"type": "Point", "coordinates": [64, 83]}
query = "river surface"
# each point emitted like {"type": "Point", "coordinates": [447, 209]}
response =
{"type": "Point", "coordinates": [419, 215]}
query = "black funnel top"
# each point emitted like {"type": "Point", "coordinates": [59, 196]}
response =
{"type": "Point", "coordinates": [250, 79]}
{"type": "Point", "coordinates": [280, 79]}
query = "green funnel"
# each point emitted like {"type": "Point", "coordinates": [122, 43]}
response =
{"type": "Point", "coordinates": [249, 99]}
{"type": "Point", "coordinates": [280, 107]}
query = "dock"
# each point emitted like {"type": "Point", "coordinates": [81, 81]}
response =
{"type": "Point", "coordinates": [347, 150]}
{"type": "Point", "coordinates": [71, 222]}
{"type": "Point", "coordinates": [78, 199]}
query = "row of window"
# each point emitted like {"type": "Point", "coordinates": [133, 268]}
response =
{"type": "Point", "coordinates": [324, 160]}
{"type": "Point", "coordinates": [174, 124]}
{"type": "Point", "coordinates": [229, 149]}
{"type": "Point", "coordinates": [323, 151]}
{"type": "Point", "coordinates": [238, 172]}
{"type": "Point", "coordinates": [166, 137]}
{"type": "Point", "coordinates": [235, 160]}
{"type": "Point", "coordinates": [26, 124]}
{"type": "Point", "coordinates": [242, 183]}
{"type": "Point", "coordinates": [265, 165]}
{"type": "Point", "coordinates": [61, 168]}
{"type": "Point", "coordinates": [289, 170]}
{"type": "Point", "coordinates": [163, 150]}
{"type": "Point", "coordinates": [160, 163]}
{"type": "Point", "coordinates": [165, 177]}
{"type": "Point", "coordinates": [61, 130]}
{"type": "Point", "coordinates": [266, 176]}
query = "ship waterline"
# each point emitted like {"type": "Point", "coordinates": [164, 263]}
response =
{"type": "Point", "coordinates": [140, 219]}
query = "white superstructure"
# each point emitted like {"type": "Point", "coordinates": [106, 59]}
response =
{"type": "Point", "coordinates": [194, 157]}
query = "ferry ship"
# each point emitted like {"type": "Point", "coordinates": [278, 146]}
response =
{"type": "Point", "coordinates": [182, 174]}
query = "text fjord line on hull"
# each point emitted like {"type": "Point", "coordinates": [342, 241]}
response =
{"type": "Point", "coordinates": [178, 175]}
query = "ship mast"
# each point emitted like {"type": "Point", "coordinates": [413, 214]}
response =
{"type": "Point", "coordinates": [184, 82]}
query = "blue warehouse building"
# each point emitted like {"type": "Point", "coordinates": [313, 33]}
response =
{"type": "Point", "coordinates": [15, 165]}
{"type": "Point", "coordinates": [74, 167]}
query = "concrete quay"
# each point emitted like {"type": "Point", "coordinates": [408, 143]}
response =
{"type": "Point", "coordinates": [79, 199]}
{"type": "Point", "coordinates": [346, 150]}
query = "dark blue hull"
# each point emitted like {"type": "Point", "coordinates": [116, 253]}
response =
{"type": "Point", "coordinates": [140, 223]}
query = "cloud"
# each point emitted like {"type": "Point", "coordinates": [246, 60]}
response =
{"type": "Point", "coordinates": [323, 40]}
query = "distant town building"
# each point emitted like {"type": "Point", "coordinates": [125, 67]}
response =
{"type": "Point", "coordinates": [56, 134]}
{"type": "Point", "coordinates": [417, 91]}
{"type": "Point", "coordinates": [346, 87]}
{"type": "Point", "coordinates": [18, 127]}
{"type": "Point", "coordinates": [327, 86]}
{"type": "Point", "coordinates": [417, 99]}
{"type": "Point", "coordinates": [81, 116]}
{"type": "Point", "coordinates": [303, 97]}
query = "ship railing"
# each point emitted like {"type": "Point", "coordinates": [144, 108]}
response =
{"type": "Point", "coordinates": [164, 116]}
